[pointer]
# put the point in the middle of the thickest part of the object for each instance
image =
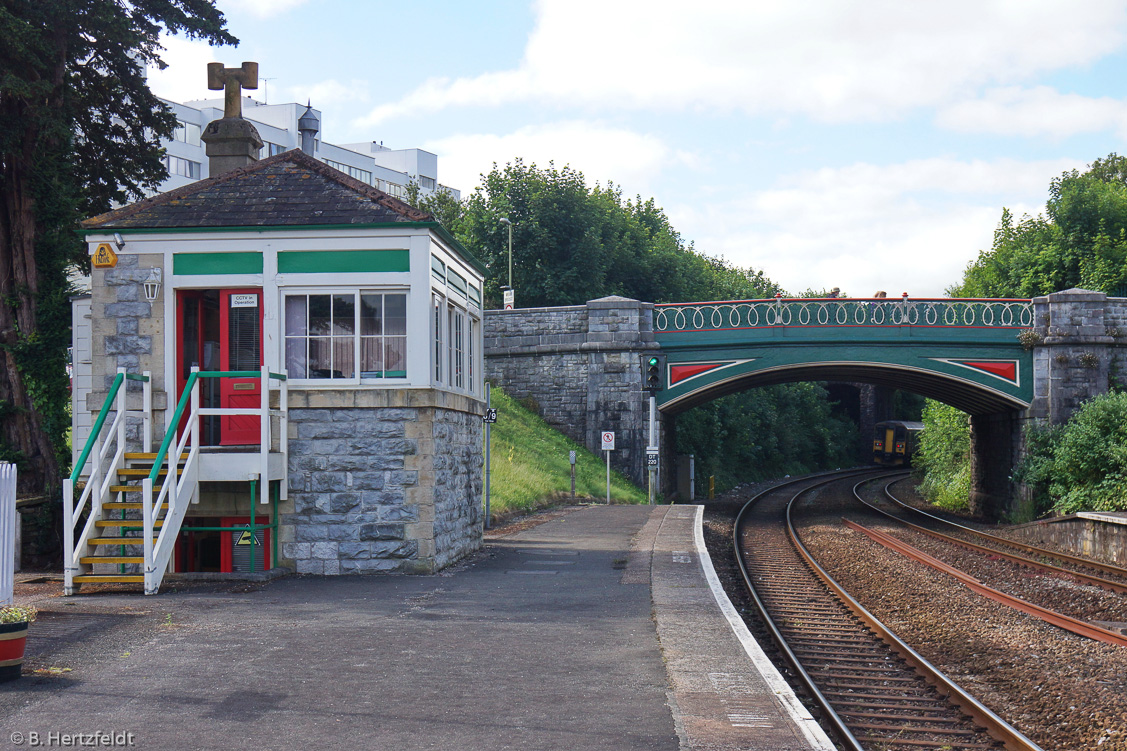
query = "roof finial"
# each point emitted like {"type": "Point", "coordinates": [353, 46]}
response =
{"type": "Point", "coordinates": [232, 81]}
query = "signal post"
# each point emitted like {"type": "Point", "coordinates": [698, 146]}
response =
{"type": "Point", "coordinates": [653, 380]}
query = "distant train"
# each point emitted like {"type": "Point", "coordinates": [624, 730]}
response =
{"type": "Point", "coordinates": [894, 442]}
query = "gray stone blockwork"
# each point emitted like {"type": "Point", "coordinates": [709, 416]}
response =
{"type": "Point", "coordinates": [581, 365]}
{"type": "Point", "coordinates": [1082, 347]}
{"type": "Point", "coordinates": [382, 481]}
{"type": "Point", "coordinates": [127, 332]}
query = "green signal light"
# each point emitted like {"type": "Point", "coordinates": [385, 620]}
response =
{"type": "Point", "coordinates": [653, 361]}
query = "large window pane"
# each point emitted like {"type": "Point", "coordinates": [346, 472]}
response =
{"type": "Point", "coordinates": [395, 315]}
{"type": "Point", "coordinates": [396, 357]}
{"type": "Point", "coordinates": [344, 314]}
{"type": "Point", "coordinates": [320, 315]}
{"type": "Point", "coordinates": [295, 315]}
{"type": "Point", "coordinates": [295, 357]}
{"type": "Point", "coordinates": [320, 357]}
{"type": "Point", "coordinates": [343, 357]}
{"type": "Point", "coordinates": [371, 315]}
{"type": "Point", "coordinates": [322, 340]}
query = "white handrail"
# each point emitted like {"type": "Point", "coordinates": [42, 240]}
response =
{"type": "Point", "coordinates": [102, 474]}
{"type": "Point", "coordinates": [182, 487]}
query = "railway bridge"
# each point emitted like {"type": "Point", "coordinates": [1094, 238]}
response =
{"type": "Point", "coordinates": [1004, 362]}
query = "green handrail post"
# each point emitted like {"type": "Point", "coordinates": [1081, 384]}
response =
{"type": "Point", "coordinates": [253, 487]}
{"type": "Point", "coordinates": [274, 524]}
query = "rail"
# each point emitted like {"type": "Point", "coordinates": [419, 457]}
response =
{"type": "Point", "coordinates": [1039, 562]}
{"type": "Point", "coordinates": [1011, 738]}
{"type": "Point", "coordinates": [101, 475]}
{"type": "Point", "coordinates": [181, 483]}
{"type": "Point", "coordinates": [807, 312]}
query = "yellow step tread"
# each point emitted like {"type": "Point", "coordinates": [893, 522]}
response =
{"type": "Point", "coordinates": [125, 523]}
{"type": "Point", "coordinates": [140, 456]}
{"type": "Point", "coordinates": [89, 559]}
{"type": "Point", "coordinates": [139, 472]}
{"type": "Point", "coordinates": [117, 541]}
{"type": "Point", "coordinates": [116, 506]}
{"type": "Point", "coordinates": [110, 578]}
{"type": "Point", "coordinates": [131, 489]}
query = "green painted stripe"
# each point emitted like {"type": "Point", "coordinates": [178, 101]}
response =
{"type": "Point", "coordinates": [457, 281]}
{"type": "Point", "coordinates": [189, 264]}
{"type": "Point", "coordinates": [342, 261]}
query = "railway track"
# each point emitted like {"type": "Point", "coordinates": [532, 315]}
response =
{"type": "Point", "coordinates": [1104, 575]}
{"type": "Point", "coordinates": [873, 690]}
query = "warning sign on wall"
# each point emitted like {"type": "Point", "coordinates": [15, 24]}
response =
{"type": "Point", "coordinates": [104, 257]}
{"type": "Point", "coordinates": [247, 538]}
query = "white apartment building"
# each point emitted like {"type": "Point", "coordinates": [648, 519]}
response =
{"type": "Point", "coordinates": [389, 170]}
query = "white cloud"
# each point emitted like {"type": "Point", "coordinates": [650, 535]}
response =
{"type": "Point", "coordinates": [600, 152]}
{"type": "Point", "coordinates": [329, 93]}
{"type": "Point", "coordinates": [261, 8]}
{"type": "Point", "coordinates": [909, 227]}
{"type": "Point", "coordinates": [185, 78]}
{"type": "Point", "coordinates": [1013, 110]}
{"type": "Point", "coordinates": [830, 60]}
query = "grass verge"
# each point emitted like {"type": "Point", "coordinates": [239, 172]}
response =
{"type": "Point", "coordinates": [530, 467]}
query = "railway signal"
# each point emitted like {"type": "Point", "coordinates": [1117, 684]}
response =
{"type": "Point", "coordinates": [653, 367]}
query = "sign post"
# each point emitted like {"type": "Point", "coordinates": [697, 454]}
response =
{"type": "Point", "coordinates": [571, 460]}
{"type": "Point", "coordinates": [509, 299]}
{"type": "Point", "coordinates": [489, 418]}
{"type": "Point", "coordinates": [608, 446]}
{"type": "Point", "coordinates": [651, 449]}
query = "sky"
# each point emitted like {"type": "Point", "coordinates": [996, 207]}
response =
{"type": "Point", "coordinates": [866, 145]}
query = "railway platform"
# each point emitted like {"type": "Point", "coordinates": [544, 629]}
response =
{"type": "Point", "coordinates": [596, 630]}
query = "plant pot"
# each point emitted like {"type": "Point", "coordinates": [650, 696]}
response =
{"type": "Point", "coordinates": [13, 639]}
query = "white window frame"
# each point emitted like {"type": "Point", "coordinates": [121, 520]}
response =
{"type": "Point", "coordinates": [355, 291]}
{"type": "Point", "coordinates": [456, 350]}
{"type": "Point", "coordinates": [438, 309]}
{"type": "Point", "coordinates": [472, 325]}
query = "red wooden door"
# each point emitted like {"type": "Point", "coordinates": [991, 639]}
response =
{"type": "Point", "coordinates": [240, 348]}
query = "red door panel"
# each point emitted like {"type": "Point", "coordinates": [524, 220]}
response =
{"type": "Point", "coordinates": [240, 312]}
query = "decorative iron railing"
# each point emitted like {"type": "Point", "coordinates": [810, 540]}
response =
{"type": "Point", "coordinates": [750, 314]}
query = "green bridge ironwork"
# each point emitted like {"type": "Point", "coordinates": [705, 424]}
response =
{"type": "Point", "coordinates": [966, 352]}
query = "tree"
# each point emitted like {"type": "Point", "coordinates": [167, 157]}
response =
{"type": "Point", "coordinates": [572, 243]}
{"type": "Point", "coordinates": [79, 131]}
{"type": "Point", "coordinates": [1081, 241]}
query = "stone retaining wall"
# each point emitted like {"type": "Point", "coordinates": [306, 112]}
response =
{"type": "Point", "coordinates": [580, 368]}
{"type": "Point", "coordinates": [1104, 540]}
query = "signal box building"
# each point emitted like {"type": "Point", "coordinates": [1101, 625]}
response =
{"type": "Point", "coordinates": [302, 353]}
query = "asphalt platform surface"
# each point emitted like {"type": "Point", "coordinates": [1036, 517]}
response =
{"type": "Point", "coordinates": [546, 639]}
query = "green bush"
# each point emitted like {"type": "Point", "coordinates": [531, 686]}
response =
{"type": "Point", "coordinates": [1035, 470]}
{"type": "Point", "coordinates": [1088, 470]}
{"type": "Point", "coordinates": [943, 456]}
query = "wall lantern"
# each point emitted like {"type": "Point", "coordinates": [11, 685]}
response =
{"type": "Point", "coordinates": [152, 285]}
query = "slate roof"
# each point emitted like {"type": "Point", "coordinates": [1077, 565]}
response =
{"type": "Point", "coordinates": [287, 189]}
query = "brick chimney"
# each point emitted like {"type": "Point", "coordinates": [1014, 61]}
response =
{"type": "Point", "coordinates": [231, 142]}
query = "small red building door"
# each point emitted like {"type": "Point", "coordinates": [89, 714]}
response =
{"type": "Point", "coordinates": [240, 315]}
{"type": "Point", "coordinates": [222, 330]}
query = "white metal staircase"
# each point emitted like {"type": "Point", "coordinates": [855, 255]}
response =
{"type": "Point", "coordinates": [137, 501]}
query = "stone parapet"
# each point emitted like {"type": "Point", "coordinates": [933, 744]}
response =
{"type": "Point", "coordinates": [1078, 346]}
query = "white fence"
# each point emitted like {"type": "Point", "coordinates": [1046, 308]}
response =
{"type": "Point", "coordinates": [8, 537]}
